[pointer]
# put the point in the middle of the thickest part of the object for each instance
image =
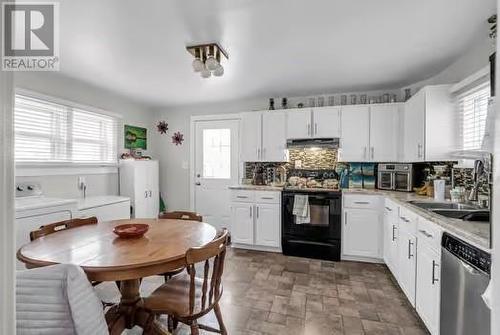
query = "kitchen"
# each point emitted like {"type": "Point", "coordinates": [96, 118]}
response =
{"type": "Point", "coordinates": [357, 192]}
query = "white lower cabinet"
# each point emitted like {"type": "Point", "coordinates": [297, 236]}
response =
{"type": "Point", "coordinates": [362, 228]}
{"type": "Point", "coordinates": [391, 236]}
{"type": "Point", "coordinates": [242, 223]}
{"type": "Point", "coordinates": [256, 220]}
{"type": "Point", "coordinates": [407, 263]}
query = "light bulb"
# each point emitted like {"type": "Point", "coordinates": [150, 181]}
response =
{"type": "Point", "coordinates": [197, 65]}
{"type": "Point", "coordinates": [219, 71]}
{"type": "Point", "coordinates": [211, 63]}
{"type": "Point", "coordinates": [205, 73]}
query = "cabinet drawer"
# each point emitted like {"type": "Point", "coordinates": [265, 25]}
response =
{"type": "Point", "coordinates": [242, 196]}
{"type": "Point", "coordinates": [267, 197]}
{"type": "Point", "coordinates": [429, 233]}
{"type": "Point", "coordinates": [408, 220]}
{"type": "Point", "coordinates": [362, 201]}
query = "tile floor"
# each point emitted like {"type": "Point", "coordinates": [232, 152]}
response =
{"type": "Point", "coordinates": [267, 293]}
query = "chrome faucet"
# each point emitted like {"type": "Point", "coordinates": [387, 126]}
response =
{"type": "Point", "coordinates": [477, 173]}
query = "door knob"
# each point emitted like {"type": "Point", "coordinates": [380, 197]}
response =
{"type": "Point", "coordinates": [197, 183]}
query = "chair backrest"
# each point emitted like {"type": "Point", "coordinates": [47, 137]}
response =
{"type": "Point", "coordinates": [213, 252]}
{"type": "Point", "coordinates": [181, 215]}
{"type": "Point", "coordinates": [62, 225]}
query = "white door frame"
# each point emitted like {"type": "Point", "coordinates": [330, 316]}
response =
{"type": "Point", "coordinates": [7, 227]}
{"type": "Point", "coordinates": [192, 146]}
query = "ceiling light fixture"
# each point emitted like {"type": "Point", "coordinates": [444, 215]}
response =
{"type": "Point", "coordinates": [208, 59]}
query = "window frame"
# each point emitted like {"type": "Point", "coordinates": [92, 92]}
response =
{"type": "Point", "coordinates": [30, 168]}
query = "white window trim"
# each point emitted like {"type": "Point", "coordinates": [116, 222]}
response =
{"type": "Point", "coordinates": [67, 168]}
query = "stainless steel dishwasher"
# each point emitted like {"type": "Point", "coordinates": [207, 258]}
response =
{"type": "Point", "coordinates": [465, 274]}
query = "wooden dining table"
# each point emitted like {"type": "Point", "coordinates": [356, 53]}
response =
{"type": "Point", "coordinates": [106, 257]}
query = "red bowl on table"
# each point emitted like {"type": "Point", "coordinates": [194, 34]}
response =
{"type": "Point", "coordinates": [133, 230]}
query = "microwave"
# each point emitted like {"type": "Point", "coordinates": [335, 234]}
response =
{"type": "Point", "coordinates": [395, 177]}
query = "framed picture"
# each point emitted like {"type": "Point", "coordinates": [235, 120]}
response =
{"type": "Point", "coordinates": [135, 137]}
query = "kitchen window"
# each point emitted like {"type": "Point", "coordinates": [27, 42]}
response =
{"type": "Point", "coordinates": [57, 133]}
{"type": "Point", "coordinates": [473, 110]}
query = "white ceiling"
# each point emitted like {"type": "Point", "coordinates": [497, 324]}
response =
{"type": "Point", "coordinates": [276, 48]}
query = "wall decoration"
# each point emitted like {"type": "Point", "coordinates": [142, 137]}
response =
{"type": "Point", "coordinates": [162, 127]}
{"type": "Point", "coordinates": [135, 137]}
{"type": "Point", "coordinates": [178, 138]}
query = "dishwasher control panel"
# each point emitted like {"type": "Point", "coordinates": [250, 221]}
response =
{"type": "Point", "coordinates": [470, 254]}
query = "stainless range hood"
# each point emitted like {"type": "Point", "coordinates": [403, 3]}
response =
{"type": "Point", "coordinates": [332, 143]}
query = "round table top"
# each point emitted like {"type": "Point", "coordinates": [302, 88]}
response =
{"type": "Point", "coordinates": [105, 256]}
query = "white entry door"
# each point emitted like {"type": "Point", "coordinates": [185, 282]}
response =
{"type": "Point", "coordinates": [216, 168]}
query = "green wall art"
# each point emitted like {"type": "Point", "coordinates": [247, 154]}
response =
{"type": "Point", "coordinates": [135, 137]}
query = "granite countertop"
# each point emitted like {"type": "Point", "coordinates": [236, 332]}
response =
{"type": "Point", "coordinates": [474, 232]}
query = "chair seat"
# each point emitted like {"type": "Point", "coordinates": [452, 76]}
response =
{"type": "Point", "coordinates": [172, 298]}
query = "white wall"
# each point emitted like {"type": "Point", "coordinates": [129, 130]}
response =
{"type": "Point", "coordinates": [133, 113]}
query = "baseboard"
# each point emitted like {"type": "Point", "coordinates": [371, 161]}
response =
{"type": "Point", "coordinates": [255, 247]}
{"type": "Point", "coordinates": [361, 259]}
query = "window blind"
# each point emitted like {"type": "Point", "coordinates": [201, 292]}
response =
{"type": "Point", "coordinates": [473, 110]}
{"type": "Point", "coordinates": [47, 132]}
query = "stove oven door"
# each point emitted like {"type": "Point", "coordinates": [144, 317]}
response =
{"type": "Point", "coordinates": [325, 217]}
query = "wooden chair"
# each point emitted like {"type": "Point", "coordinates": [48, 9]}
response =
{"type": "Point", "coordinates": [181, 215]}
{"type": "Point", "coordinates": [178, 215]}
{"type": "Point", "coordinates": [186, 298]}
{"type": "Point", "coordinates": [62, 225]}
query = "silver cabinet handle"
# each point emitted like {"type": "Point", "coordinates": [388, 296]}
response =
{"type": "Point", "coordinates": [257, 207]}
{"type": "Point", "coordinates": [267, 198]}
{"type": "Point", "coordinates": [410, 243]}
{"type": "Point", "coordinates": [419, 149]}
{"type": "Point", "coordinates": [308, 129]}
{"type": "Point", "coordinates": [150, 193]}
{"type": "Point", "coordinates": [388, 209]}
{"type": "Point", "coordinates": [362, 202]}
{"type": "Point", "coordinates": [404, 219]}
{"type": "Point", "coordinates": [373, 153]}
{"type": "Point", "coordinates": [197, 183]}
{"type": "Point", "coordinates": [393, 233]}
{"type": "Point", "coordinates": [434, 265]}
{"type": "Point", "coordinates": [425, 233]}
{"type": "Point", "coordinates": [251, 208]}
{"type": "Point", "coordinates": [145, 194]}
{"type": "Point", "coordinates": [345, 219]}
{"type": "Point", "coordinates": [316, 128]}
{"type": "Point", "coordinates": [364, 153]}
{"type": "Point", "coordinates": [258, 153]}
{"type": "Point", "coordinates": [241, 197]}
{"type": "Point", "coordinates": [263, 153]}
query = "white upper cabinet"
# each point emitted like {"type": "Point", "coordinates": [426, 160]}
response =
{"type": "Point", "coordinates": [384, 124]}
{"type": "Point", "coordinates": [430, 125]}
{"type": "Point", "coordinates": [369, 133]}
{"type": "Point", "coordinates": [273, 136]}
{"type": "Point", "coordinates": [298, 122]}
{"type": "Point", "coordinates": [250, 136]}
{"type": "Point", "coordinates": [320, 122]}
{"type": "Point", "coordinates": [326, 122]}
{"type": "Point", "coordinates": [355, 133]}
{"type": "Point", "coordinates": [414, 129]}
{"type": "Point", "coordinates": [263, 136]}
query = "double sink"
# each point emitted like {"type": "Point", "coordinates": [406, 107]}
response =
{"type": "Point", "coordinates": [452, 210]}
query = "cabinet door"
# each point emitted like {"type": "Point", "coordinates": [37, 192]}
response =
{"type": "Point", "coordinates": [242, 223]}
{"type": "Point", "coordinates": [355, 133]}
{"type": "Point", "coordinates": [326, 122]}
{"type": "Point", "coordinates": [393, 237]}
{"type": "Point", "coordinates": [250, 150]}
{"type": "Point", "coordinates": [273, 136]}
{"type": "Point", "coordinates": [361, 236]}
{"type": "Point", "coordinates": [428, 287]}
{"type": "Point", "coordinates": [414, 128]}
{"type": "Point", "coordinates": [267, 225]}
{"type": "Point", "coordinates": [407, 264]}
{"type": "Point", "coordinates": [383, 133]}
{"type": "Point", "coordinates": [153, 190]}
{"type": "Point", "coordinates": [388, 236]}
{"type": "Point", "coordinates": [298, 124]}
{"type": "Point", "coordinates": [141, 207]}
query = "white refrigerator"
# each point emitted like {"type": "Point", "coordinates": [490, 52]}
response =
{"type": "Point", "coordinates": [139, 181]}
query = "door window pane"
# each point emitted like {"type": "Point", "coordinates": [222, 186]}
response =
{"type": "Point", "coordinates": [217, 153]}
